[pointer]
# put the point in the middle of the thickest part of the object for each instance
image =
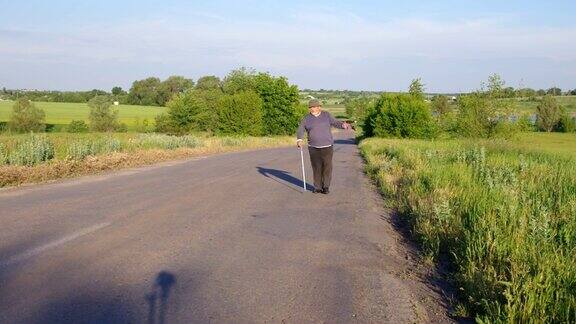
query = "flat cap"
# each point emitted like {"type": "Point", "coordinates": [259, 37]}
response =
{"type": "Point", "coordinates": [314, 103]}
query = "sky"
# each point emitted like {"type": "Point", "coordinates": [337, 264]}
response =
{"type": "Point", "coordinates": [453, 46]}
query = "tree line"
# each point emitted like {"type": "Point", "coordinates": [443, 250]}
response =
{"type": "Point", "coordinates": [484, 113]}
{"type": "Point", "coordinates": [245, 102]}
{"type": "Point", "coordinates": [147, 92]}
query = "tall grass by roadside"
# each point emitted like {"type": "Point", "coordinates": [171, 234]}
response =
{"type": "Point", "coordinates": [32, 150]}
{"type": "Point", "coordinates": [26, 158]}
{"type": "Point", "coordinates": [505, 216]}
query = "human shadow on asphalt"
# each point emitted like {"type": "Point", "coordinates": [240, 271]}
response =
{"type": "Point", "coordinates": [278, 175]}
{"type": "Point", "coordinates": [158, 298]}
{"type": "Point", "coordinates": [94, 305]}
{"type": "Point", "coordinates": [349, 141]}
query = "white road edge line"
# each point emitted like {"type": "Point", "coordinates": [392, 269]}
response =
{"type": "Point", "coordinates": [38, 250]}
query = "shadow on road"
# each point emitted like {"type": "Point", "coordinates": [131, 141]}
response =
{"type": "Point", "coordinates": [102, 304]}
{"type": "Point", "coordinates": [349, 141]}
{"type": "Point", "coordinates": [158, 298]}
{"type": "Point", "coordinates": [277, 175]}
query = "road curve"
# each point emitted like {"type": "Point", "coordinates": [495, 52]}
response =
{"type": "Point", "coordinates": [227, 238]}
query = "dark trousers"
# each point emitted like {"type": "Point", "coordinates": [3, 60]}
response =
{"type": "Point", "coordinates": [321, 160]}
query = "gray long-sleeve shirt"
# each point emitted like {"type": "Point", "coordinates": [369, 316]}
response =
{"type": "Point", "coordinates": [318, 129]}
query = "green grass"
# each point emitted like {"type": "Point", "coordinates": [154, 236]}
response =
{"type": "Point", "coordinates": [60, 113]}
{"type": "Point", "coordinates": [338, 111]}
{"type": "Point", "coordinates": [65, 145]}
{"type": "Point", "coordinates": [503, 212]}
{"type": "Point", "coordinates": [526, 106]}
{"type": "Point", "coordinates": [553, 143]}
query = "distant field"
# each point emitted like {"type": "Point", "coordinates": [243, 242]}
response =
{"type": "Point", "coordinates": [555, 143]}
{"type": "Point", "coordinates": [568, 102]}
{"type": "Point", "coordinates": [336, 110]}
{"type": "Point", "coordinates": [60, 113]}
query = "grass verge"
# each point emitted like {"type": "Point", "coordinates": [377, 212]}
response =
{"type": "Point", "coordinates": [505, 216]}
{"type": "Point", "coordinates": [22, 160]}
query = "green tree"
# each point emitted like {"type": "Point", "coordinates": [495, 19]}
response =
{"type": "Point", "coordinates": [416, 88]}
{"type": "Point", "coordinates": [208, 82]}
{"type": "Point", "coordinates": [548, 113]}
{"type": "Point", "coordinates": [77, 126]}
{"type": "Point", "coordinates": [208, 117]}
{"type": "Point", "coordinates": [443, 112]}
{"type": "Point", "coordinates": [496, 86]}
{"type": "Point", "coordinates": [171, 86]}
{"type": "Point", "coordinates": [26, 117]}
{"type": "Point", "coordinates": [183, 111]}
{"type": "Point", "coordinates": [440, 105]}
{"type": "Point", "coordinates": [117, 91]}
{"type": "Point", "coordinates": [282, 109]}
{"type": "Point", "coordinates": [242, 79]}
{"type": "Point", "coordinates": [508, 92]}
{"type": "Point", "coordinates": [554, 91]}
{"type": "Point", "coordinates": [102, 117]}
{"type": "Point", "coordinates": [356, 108]}
{"type": "Point", "coordinates": [240, 113]}
{"type": "Point", "coordinates": [400, 115]}
{"type": "Point", "coordinates": [163, 124]}
{"type": "Point", "coordinates": [145, 92]}
{"type": "Point", "coordinates": [476, 117]}
{"type": "Point", "coordinates": [566, 124]}
{"type": "Point", "coordinates": [194, 110]}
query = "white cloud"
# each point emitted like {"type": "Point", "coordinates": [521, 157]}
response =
{"type": "Point", "coordinates": [325, 41]}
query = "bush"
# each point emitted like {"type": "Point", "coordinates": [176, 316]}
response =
{"type": "Point", "coordinates": [281, 107]}
{"type": "Point", "coordinates": [240, 113]}
{"type": "Point", "coordinates": [356, 108]}
{"type": "Point", "coordinates": [282, 110]}
{"type": "Point", "coordinates": [482, 115]}
{"type": "Point", "coordinates": [185, 112]}
{"type": "Point", "coordinates": [400, 115]}
{"type": "Point", "coordinates": [81, 149]}
{"type": "Point", "coordinates": [122, 128]}
{"type": "Point", "coordinates": [525, 124]}
{"type": "Point", "coordinates": [77, 126]}
{"type": "Point", "coordinates": [26, 117]}
{"type": "Point", "coordinates": [566, 124]}
{"type": "Point", "coordinates": [440, 105]}
{"type": "Point", "coordinates": [142, 126]}
{"type": "Point", "coordinates": [148, 141]}
{"type": "Point", "coordinates": [3, 154]}
{"type": "Point", "coordinates": [163, 124]}
{"type": "Point", "coordinates": [476, 117]}
{"type": "Point", "coordinates": [32, 150]}
{"type": "Point", "coordinates": [102, 118]}
{"type": "Point", "coordinates": [548, 113]}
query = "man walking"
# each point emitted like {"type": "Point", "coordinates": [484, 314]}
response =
{"type": "Point", "coordinates": [320, 143]}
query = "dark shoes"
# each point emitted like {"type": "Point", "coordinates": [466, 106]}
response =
{"type": "Point", "coordinates": [318, 191]}
{"type": "Point", "coordinates": [323, 190]}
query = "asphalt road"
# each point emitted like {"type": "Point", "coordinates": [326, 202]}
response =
{"type": "Point", "coordinates": [227, 238]}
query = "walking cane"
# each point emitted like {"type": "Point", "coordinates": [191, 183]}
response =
{"type": "Point", "coordinates": [303, 173]}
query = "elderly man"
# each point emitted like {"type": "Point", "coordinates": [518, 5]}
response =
{"type": "Point", "coordinates": [318, 124]}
